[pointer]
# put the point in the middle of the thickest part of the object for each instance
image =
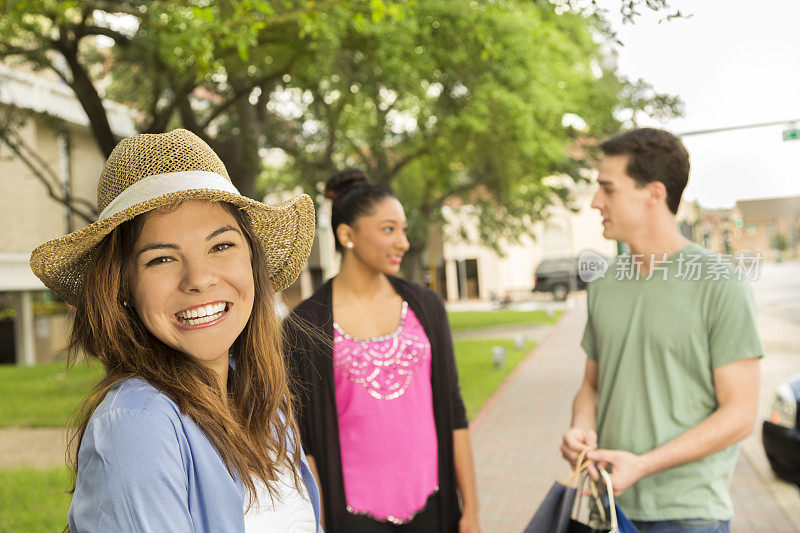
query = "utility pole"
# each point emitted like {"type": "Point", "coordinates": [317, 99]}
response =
{"type": "Point", "coordinates": [791, 133]}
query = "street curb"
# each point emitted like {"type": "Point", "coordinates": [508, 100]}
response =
{"type": "Point", "coordinates": [501, 389]}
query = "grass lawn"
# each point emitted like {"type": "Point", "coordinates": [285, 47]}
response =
{"type": "Point", "coordinates": [33, 500]}
{"type": "Point", "coordinates": [477, 375]}
{"type": "Point", "coordinates": [42, 395]}
{"type": "Point", "coordinates": [483, 319]}
{"type": "Point", "coordinates": [45, 395]}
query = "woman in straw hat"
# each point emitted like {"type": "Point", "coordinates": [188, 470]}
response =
{"type": "Point", "coordinates": [381, 413]}
{"type": "Point", "coordinates": [191, 427]}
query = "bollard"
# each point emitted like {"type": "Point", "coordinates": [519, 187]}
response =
{"type": "Point", "coordinates": [519, 341]}
{"type": "Point", "coordinates": [498, 356]}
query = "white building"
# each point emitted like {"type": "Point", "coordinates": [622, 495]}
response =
{"type": "Point", "coordinates": [475, 272]}
{"type": "Point", "coordinates": [28, 216]}
{"type": "Point", "coordinates": [467, 270]}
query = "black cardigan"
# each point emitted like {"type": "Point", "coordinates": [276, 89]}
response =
{"type": "Point", "coordinates": [310, 358]}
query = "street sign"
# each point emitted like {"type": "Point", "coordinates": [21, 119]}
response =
{"type": "Point", "coordinates": [792, 134]}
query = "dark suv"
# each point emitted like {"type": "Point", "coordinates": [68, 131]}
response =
{"type": "Point", "coordinates": [781, 433]}
{"type": "Point", "coordinates": [558, 277]}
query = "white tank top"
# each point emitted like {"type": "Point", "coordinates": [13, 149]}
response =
{"type": "Point", "coordinates": [290, 512]}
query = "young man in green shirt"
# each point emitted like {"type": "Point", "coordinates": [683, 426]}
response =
{"type": "Point", "coordinates": [671, 379]}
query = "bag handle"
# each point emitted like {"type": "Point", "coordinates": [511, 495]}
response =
{"type": "Point", "coordinates": [612, 508]}
{"type": "Point", "coordinates": [595, 494]}
{"type": "Point", "coordinates": [580, 465]}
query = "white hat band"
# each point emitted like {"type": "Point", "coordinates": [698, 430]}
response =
{"type": "Point", "coordinates": [161, 184]}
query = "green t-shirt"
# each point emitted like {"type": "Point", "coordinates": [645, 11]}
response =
{"type": "Point", "coordinates": [657, 342]}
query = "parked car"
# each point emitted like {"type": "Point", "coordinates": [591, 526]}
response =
{"type": "Point", "coordinates": [781, 432]}
{"type": "Point", "coordinates": [558, 276]}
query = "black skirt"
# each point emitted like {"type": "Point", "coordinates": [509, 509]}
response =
{"type": "Point", "coordinates": [426, 521]}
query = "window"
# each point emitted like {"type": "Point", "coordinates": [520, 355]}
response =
{"type": "Point", "coordinates": [468, 286]}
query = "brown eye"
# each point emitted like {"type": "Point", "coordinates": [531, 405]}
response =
{"type": "Point", "coordinates": [221, 247]}
{"type": "Point", "coordinates": [159, 260]}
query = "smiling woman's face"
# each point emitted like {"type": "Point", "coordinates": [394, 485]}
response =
{"type": "Point", "coordinates": [191, 280]}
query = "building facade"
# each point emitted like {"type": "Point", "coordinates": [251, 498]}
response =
{"type": "Point", "coordinates": [472, 271]}
{"type": "Point", "coordinates": [769, 226]}
{"type": "Point", "coordinates": [48, 125]}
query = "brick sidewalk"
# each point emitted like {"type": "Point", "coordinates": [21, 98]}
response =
{"type": "Point", "coordinates": [517, 434]}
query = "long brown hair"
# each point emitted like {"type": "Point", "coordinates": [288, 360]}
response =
{"type": "Point", "coordinates": [253, 429]}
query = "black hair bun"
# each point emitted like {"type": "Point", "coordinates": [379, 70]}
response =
{"type": "Point", "coordinates": [343, 181]}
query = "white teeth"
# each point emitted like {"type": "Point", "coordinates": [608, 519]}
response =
{"type": "Point", "coordinates": [202, 315]}
{"type": "Point", "coordinates": [210, 312]}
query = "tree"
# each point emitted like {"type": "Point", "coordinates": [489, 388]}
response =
{"type": "Point", "coordinates": [456, 100]}
{"type": "Point", "coordinates": [199, 65]}
{"type": "Point", "coordinates": [472, 101]}
{"type": "Point", "coordinates": [779, 243]}
{"type": "Point", "coordinates": [640, 98]}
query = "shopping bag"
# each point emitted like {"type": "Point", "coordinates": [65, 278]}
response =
{"type": "Point", "coordinates": [553, 514]}
{"type": "Point", "coordinates": [604, 514]}
{"type": "Point", "coordinates": [623, 522]}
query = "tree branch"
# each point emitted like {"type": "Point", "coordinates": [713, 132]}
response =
{"type": "Point", "coordinates": [160, 117]}
{"type": "Point", "coordinates": [357, 149]}
{"type": "Point", "coordinates": [333, 114]}
{"type": "Point", "coordinates": [245, 89]}
{"type": "Point", "coordinates": [119, 38]}
{"type": "Point", "coordinates": [113, 7]}
{"type": "Point", "coordinates": [8, 50]}
{"type": "Point", "coordinates": [424, 149]}
{"type": "Point", "coordinates": [42, 171]}
{"type": "Point", "coordinates": [86, 93]}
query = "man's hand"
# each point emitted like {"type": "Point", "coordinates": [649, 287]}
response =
{"type": "Point", "coordinates": [626, 468]}
{"type": "Point", "coordinates": [575, 441]}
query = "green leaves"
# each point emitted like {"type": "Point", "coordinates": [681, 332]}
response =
{"type": "Point", "coordinates": [446, 100]}
{"type": "Point", "coordinates": [454, 99]}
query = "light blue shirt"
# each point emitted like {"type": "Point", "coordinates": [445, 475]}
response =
{"type": "Point", "coordinates": [145, 466]}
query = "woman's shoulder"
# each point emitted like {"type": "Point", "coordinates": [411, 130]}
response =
{"type": "Point", "coordinates": [134, 421]}
{"type": "Point", "coordinates": [136, 397]}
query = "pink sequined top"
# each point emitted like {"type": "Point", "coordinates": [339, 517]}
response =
{"type": "Point", "coordinates": [386, 427]}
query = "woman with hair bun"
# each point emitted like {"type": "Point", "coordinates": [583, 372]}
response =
{"type": "Point", "coordinates": [380, 411]}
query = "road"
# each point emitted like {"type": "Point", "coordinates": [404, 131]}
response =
{"type": "Point", "coordinates": [516, 435]}
{"type": "Point", "coordinates": [777, 294]}
{"type": "Point", "coordinates": [777, 291]}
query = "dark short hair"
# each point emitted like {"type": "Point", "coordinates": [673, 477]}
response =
{"type": "Point", "coordinates": [655, 155]}
{"type": "Point", "coordinates": [353, 197]}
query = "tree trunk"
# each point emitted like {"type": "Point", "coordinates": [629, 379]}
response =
{"type": "Point", "coordinates": [90, 100]}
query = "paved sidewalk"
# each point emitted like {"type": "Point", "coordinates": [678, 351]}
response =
{"type": "Point", "coordinates": [517, 434]}
{"type": "Point", "coordinates": [34, 447]}
{"type": "Point", "coordinates": [531, 332]}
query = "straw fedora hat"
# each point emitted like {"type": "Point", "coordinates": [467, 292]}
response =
{"type": "Point", "coordinates": [149, 171]}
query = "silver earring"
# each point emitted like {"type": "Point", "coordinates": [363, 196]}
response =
{"type": "Point", "coordinates": [349, 244]}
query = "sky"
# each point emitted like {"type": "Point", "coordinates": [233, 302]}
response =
{"type": "Point", "coordinates": [734, 62]}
